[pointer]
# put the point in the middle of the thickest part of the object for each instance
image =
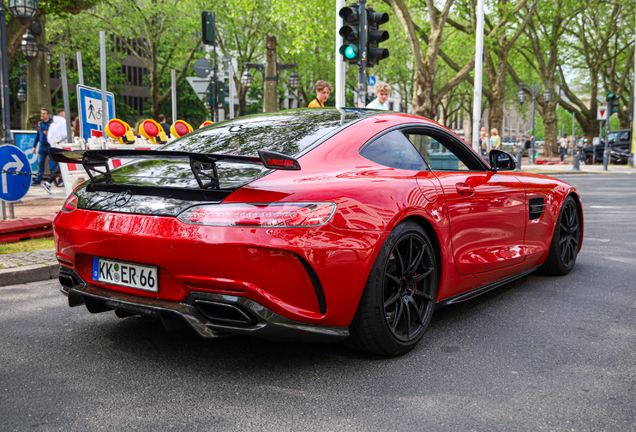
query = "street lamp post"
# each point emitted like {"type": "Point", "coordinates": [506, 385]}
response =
{"type": "Point", "coordinates": [534, 91]}
{"type": "Point", "coordinates": [247, 80]}
{"type": "Point", "coordinates": [23, 11]}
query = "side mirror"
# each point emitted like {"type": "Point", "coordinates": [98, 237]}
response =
{"type": "Point", "coordinates": [500, 160]}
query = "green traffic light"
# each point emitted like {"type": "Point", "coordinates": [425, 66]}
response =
{"type": "Point", "coordinates": [350, 52]}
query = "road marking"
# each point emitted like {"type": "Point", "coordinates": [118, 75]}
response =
{"type": "Point", "coordinates": [595, 239]}
{"type": "Point", "coordinates": [605, 207]}
{"type": "Point", "coordinates": [621, 259]}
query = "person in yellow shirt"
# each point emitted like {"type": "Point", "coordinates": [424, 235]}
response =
{"type": "Point", "coordinates": [495, 139]}
{"type": "Point", "coordinates": [323, 88]}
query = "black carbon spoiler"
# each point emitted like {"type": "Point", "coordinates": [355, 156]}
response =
{"type": "Point", "coordinates": [95, 162]}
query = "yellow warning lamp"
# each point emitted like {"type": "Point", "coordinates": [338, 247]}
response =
{"type": "Point", "coordinates": [153, 131]}
{"type": "Point", "coordinates": [206, 123]}
{"type": "Point", "coordinates": [120, 131]}
{"type": "Point", "coordinates": [180, 128]}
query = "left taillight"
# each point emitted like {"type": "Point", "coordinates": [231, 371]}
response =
{"type": "Point", "coordinates": [289, 215]}
{"type": "Point", "coordinates": [70, 204]}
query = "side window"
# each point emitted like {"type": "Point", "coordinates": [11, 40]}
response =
{"type": "Point", "coordinates": [624, 136]}
{"type": "Point", "coordinates": [396, 151]}
{"type": "Point", "coordinates": [439, 156]}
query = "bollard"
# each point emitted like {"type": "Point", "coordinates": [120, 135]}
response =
{"type": "Point", "coordinates": [576, 159]}
{"type": "Point", "coordinates": [519, 157]}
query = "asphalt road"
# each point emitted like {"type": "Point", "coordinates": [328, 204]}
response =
{"type": "Point", "coordinates": [541, 353]}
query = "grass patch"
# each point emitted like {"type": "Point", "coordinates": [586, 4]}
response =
{"type": "Point", "coordinates": [27, 245]}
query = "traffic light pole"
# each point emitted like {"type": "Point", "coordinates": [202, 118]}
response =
{"type": "Point", "coordinates": [216, 86]}
{"type": "Point", "coordinates": [608, 113]}
{"type": "Point", "coordinates": [362, 74]}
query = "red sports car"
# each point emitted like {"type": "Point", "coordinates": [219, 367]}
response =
{"type": "Point", "coordinates": [312, 224]}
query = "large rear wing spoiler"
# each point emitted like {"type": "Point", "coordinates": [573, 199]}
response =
{"type": "Point", "coordinates": [95, 162]}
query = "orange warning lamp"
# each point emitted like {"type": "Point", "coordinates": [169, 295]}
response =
{"type": "Point", "coordinates": [120, 131]}
{"type": "Point", "coordinates": [180, 128]}
{"type": "Point", "coordinates": [153, 131]}
{"type": "Point", "coordinates": [206, 123]}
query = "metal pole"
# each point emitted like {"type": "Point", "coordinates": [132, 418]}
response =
{"type": "Point", "coordinates": [102, 56]}
{"type": "Point", "coordinates": [340, 63]}
{"type": "Point", "coordinates": [362, 74]}
{"type": "Point", "coordinates": [608, 114]}
{"type": "Point", "coordinates": [631, 158]}
{"type": "Point", "coordinates": [479, 59]}
{"type": "Point", "coordinates": [531, 155]}
{"type": "Point", "coordinates": [4, 80]}
{"type": "Point", "coordinates": [80, 70]}
{"type": "Point", "coordinates": [173, 76]}
{"type": "Point", "coordinates": [231, 87]}
{"type": "Point", "coordinates": [67, 106]}
{"type": "Point", "coordinates": [216, 79]}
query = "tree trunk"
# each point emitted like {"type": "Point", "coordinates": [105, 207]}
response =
{"type": "Point", "coordinates": [550, 127]}
{"type": "Point", "coordinates": [38, 83]}
{"type": "Point", "coordinates": [270, 97]}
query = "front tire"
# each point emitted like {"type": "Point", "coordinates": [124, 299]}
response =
{"type": "Point", "coordinates": [399, 297]}
{"type": "Point", "coordinates": [565, 240]}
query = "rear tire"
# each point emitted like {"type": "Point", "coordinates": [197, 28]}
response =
{"type": "Point", "coordinates": [399, 297]}
{"type": "Point", "coordinates": [565, 240]}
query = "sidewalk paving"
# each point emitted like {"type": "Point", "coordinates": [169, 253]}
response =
{"type": "Point", "coordinates": [24, 267]}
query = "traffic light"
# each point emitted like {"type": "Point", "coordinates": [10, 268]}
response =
{"type": "Point", "coordinates": [224, 91]}
{"type": "Point", "coordinates": [210, 96]}
{"type": "Point", "coordinates": [612, 102]}
{"type": "Point", "coordinates": [375, 36]}
{"type": "Point", "coordinates": [350, 32]}
{"type": "Point", "coordinates": [208, 28]}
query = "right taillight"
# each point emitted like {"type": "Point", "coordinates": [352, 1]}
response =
{"type": "Point", "coordinates": [70, 204]}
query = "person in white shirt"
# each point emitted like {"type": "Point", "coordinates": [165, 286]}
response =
{"type": "Point", "coordinates": [57, 133]}
{"type": "Point", "coordinates": [383, 90]}
{"type": "Point", "coordinates": [57, 136]}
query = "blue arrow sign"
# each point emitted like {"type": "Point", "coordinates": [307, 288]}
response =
{"type": "Point", "coordinates": [89, 101]}
{"type": "Point", "coordinates": [13, 186]}
{"type": "Point", "coordinates": [371, 80]}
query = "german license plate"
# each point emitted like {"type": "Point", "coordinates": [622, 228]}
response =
{"type": "Point", "coordinates": [125, 274]}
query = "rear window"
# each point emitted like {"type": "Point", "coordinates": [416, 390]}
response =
{"type": "Point", "coordinates": [289, 132]}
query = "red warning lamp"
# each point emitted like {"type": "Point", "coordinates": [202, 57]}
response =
{"type": "Point", "coordinates": [180, 128]}
{"type": "Point", "coordinates": [153, 131]}
{"type": "Point", "coordinates": [120, 131]}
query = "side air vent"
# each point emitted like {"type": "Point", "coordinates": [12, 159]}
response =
{"type": "Point", "coordinates": [320, 294]}
{"type": "Point", "coordinates": [536, 208]}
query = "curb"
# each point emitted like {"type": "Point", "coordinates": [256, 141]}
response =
{"type": "Point", "coordinates": [30, 273]}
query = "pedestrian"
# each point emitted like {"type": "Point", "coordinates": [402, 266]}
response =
{"type": "Point", "coordinates": [76, 126]}
{"type": "Point", "coordinates": [381, 102]}
{"type": "Point", "coordinates": [563, 147]}
{"type": "Point", "coordinates": [164, 125]}
{"type": "Point", "coordinates": [495, 139]}
{"type": "Point", "coordinates": [41, 147]}
{"type": "Point", "coordinates": [484, 142]}
{"type": "Point", "coordinates": [57, 131]}
{"type": "Point", "coordinates": [323, 88]}
{"type": "Point", "coordinates": [57, 136]}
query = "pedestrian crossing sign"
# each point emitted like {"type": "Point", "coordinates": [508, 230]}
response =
{"type": "Point", "coordinates": [89, 101]}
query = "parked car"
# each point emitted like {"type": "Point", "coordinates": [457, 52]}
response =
{"type": "Point", "coordinates": [619, 147]}
{"type": "Point", "coordinates": [315, 224]}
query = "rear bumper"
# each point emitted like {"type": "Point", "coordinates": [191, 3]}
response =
{"type": "Point", "coordinates": [209, 315]}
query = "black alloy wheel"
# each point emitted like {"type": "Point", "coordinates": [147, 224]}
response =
{"type": "Point", "coordinates": [399, 297]}
{"type": "Point", "coordinates": [565, 240]}
{"type": "Point", "coordinates": [407, 295]}
{"type": "Point", "coordinates": [569, 233]}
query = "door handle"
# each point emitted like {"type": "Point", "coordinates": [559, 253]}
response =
{"type": "Point", "coordinates": [464, 189]}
